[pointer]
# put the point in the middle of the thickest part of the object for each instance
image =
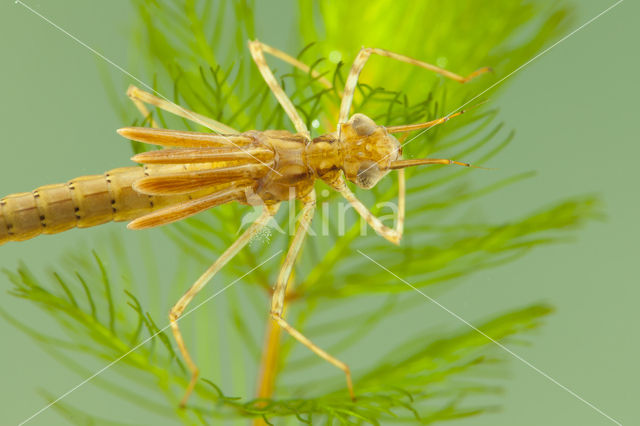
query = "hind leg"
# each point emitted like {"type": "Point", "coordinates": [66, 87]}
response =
{"type": "Point", "coordinates": [139, 98]}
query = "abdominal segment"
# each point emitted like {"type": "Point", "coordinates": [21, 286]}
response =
{"type": "Point", "coordinates": [82, 202]}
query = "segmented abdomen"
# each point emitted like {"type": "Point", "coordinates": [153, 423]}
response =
{"type": "Point", "coordinates": [82, 202]}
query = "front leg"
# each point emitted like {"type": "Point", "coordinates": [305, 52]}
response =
{"type": "Point", "coordinates": [361, 60]}
{"type": "Point", "coordinates": [392, 235]}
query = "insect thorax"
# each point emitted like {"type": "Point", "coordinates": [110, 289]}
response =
{"type": "Point", "coordinates": [290, 176]}
{"type": "Point", "coordinates": [361, 150]}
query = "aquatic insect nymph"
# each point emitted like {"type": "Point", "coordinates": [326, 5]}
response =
{"type": "Point", "coordinates": [204, 170]}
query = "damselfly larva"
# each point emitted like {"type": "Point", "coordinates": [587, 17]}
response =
{"type": "Point", "coordinates": [204, 170]}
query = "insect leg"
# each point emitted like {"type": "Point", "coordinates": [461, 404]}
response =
{"type": "Point", "coordinates": [279, 292]}
{"type": "Point", "coordinates": [401, 203]}
{"type": "Point", "coordinates": [293, 61]}
{"type": "Point", "coordinates": [143, 109]}
{"type": "Point", "coordinates": [257, 50]}
{"type": "Point", "coordinates": [140, 97]}
{"type": "Point", "coordinates": [181, 305]}
{"type": "Point", "coordinates": [361, 60]}
{"type": "Point", "coordinates": [392, 235]}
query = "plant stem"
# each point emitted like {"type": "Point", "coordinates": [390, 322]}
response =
{"type": "Point", "coordinates": [270, 357]}
{"type": "Point", "coordinates": [269, 361]}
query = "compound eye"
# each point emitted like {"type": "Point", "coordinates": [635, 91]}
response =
{"type": "Point", "coordinates": [363, 125]}
{"type": "Point", "coordinates": [368, 175]}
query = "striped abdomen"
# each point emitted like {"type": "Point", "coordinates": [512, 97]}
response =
{"type": "Point", "coordinates": [205, 170]}
{"type": "Point", "coordinates": [81, 202]}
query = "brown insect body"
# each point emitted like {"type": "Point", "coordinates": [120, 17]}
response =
{"type": "Point", "coordinates": [263, 167]}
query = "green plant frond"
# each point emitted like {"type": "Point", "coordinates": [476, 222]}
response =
{"type": "Point", "coordinates": [76, 416]}
{"type": "Point", "coordinates": [392, 389]}
{"type": "Point", "coordinates": [195, 53]}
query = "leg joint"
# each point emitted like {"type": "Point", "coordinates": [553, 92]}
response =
{"type": "Point", "coordinates": [174, 314]}
{"type": "Point", "coordinates": [395, 236]}
{"type": "Point", "coordinates": [275, 314]}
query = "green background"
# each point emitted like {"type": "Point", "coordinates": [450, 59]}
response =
{"type": "Point", "coordinates": [574, 110]}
